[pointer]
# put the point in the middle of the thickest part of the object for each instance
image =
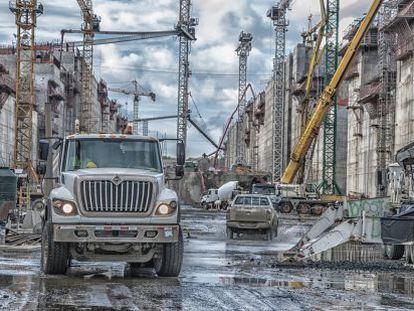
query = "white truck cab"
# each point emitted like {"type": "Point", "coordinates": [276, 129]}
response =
{"type": "Point", "coordinates": [110, 203]}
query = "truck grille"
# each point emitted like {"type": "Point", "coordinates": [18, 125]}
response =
{"type": "Point", "coordinates": [127, 197]}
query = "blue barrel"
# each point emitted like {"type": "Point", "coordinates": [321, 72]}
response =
{"type": "Point", "coordinates": [8, 192]}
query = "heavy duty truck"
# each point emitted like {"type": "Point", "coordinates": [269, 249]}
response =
{"type": "Point", "coordinates": [109, 202]}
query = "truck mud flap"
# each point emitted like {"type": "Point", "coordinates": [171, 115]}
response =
{"type": "Point", "coordinates": [397, 229]}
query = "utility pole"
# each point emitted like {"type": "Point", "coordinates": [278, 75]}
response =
{"type": "Point", "coordinates": [278, 15]}
{"type": "Point", "coordinates": [329, 185]}
{"type": "Point", "coordinates": [187, 26]}
{"type": "Point", "coordinates": [243, 51]}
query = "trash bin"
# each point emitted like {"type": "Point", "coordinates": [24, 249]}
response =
{"type": "Point", "coordinates": [8, 191]}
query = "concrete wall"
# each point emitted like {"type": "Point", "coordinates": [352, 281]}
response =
{"type": "Point", "coordinates": [7, 132]}
{"type": "Point", "coordinates": [404, 115]}
{"type": "Point", "coordinates": [362, 132]}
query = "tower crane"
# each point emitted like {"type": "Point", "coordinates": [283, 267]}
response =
{"type": "Point", "coordinates": [26, 13]}
{"type": "Point", "coordinates": [187, 26]}
{"type": "Point", "coordinates": [278, 15]}
{"type": "Point", "coordinates": [91, 23]}
{"type": "Point", "coordinates": [137, 93]}
{"type": "Point", "coordinates": [243, 51]}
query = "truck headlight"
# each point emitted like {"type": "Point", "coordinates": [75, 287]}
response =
{"type": "Point", "coordinates": [165, 209]}
{"type": "Point", "coordinates": [64, 208]}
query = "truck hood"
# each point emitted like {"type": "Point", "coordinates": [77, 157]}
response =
{"type": "Point", "coordinates": [113, 171]}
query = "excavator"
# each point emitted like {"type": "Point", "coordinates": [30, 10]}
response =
{"type": "Point", "coordinates": [343, 221]}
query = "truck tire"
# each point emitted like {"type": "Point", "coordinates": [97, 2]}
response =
{"type": "Point", "coordinates": [55, 255]}
{"type": "Point", "coordinates": [411, 250]}
{"type": "Point", "coordinates": [303, 209]}
{"type": "Point", "coordinates": [269, 234]}
{"type": "Point", "coordinates": [317, 210]}
{"type": "Point", "coordinates": [171, 259]}
{"type": "Point", "coordinates": [230, 233]}
{"type": "Point", "coordinates": [286, 207]}
{"type": "Point", "coordinates": [394, 252]}
{"type": "Point", "coordinates": [408, 254]}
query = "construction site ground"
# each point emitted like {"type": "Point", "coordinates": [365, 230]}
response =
{"type": "Point", "coordinates": [218, 274]}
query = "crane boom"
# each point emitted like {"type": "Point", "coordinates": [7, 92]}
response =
{"type": "Point", "coordinates": [314, 124]}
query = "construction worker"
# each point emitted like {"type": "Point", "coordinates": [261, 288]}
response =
{"type": "Point", "coordinates": [86, 162]}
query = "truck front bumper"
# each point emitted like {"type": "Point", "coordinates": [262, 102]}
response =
{"type": "Point", "coordinates": [248, 225]}
{"type": "Point", "coordinates": [116, 233]}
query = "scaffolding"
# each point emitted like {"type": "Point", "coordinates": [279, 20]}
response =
{"type": "Point", "coordinates": [386, 101]}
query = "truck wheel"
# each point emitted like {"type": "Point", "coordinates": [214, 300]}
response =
{"type": "Point", "coordinates": [55, 255]}
{"type": "Point", "coordinates": [171, 259]}
{"type": "Point", "coordinates": [317, 210]}
{"type": "Point", "coordinates": [408, 254]}
{"type": "Point", "coordinates": [269, 234]}
{"type": "Point", "coordinates": [286, 207]}
{"type": "Point", "coordinates": [230, 233]}
{"type": "Point", "coordinates": [304, 209]}
{"type": "Point", "coordinates": [394, 252]}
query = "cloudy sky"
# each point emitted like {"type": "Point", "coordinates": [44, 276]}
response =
{"type": "Point", "coordinates": [154, 62]}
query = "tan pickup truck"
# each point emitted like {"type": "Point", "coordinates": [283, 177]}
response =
{"type": "Point", "coordinates": [252, 213]}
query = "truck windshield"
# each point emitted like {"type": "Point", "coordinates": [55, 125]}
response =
{"type": "Point", "coordinates": [112, 153]}
{"type": "Point", "coordinates": [263, 189]}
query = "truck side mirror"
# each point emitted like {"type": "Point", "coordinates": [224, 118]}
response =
{"type": "Point", "coordinates": [43, 150]}
{"type": "Point", "coordinates": [41, 169]}
{"type": "Point", "coordinates": [179, 171]}
{"type": "Point", "coordinates": [180, 153]}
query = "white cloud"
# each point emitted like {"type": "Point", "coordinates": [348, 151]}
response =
{"type": "Point", "coordinates": [154, 62]}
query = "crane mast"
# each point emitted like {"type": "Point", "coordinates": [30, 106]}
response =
{"type": "Point", "coordinates": [89, 120]}
{"type": "Point", "coordinates": [243, 51]}
{"type": "Point", "coordinates": [325, 102]}
{"type": "Point", "coordinates": [278, 15]}
{"type": "Point", "coordinates": [329, 185]}
{"type": "Point", "coordinates": [186, 24]}
{"type": "Point", "coordinates": [26, 13]}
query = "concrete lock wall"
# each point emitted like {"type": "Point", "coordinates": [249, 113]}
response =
{"type": "Point", "coordinates": [7, 132]}
{"type": "Point", "coordinates": [404, 114]}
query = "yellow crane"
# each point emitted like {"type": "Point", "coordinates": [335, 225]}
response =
{"type": "Point", "coordinates": [325, 101]}
{"type": "Point", "coordinates": [315, 61]}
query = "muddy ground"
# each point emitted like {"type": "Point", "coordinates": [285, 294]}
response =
{"type": "Point", "coordinates": [217, 275]}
